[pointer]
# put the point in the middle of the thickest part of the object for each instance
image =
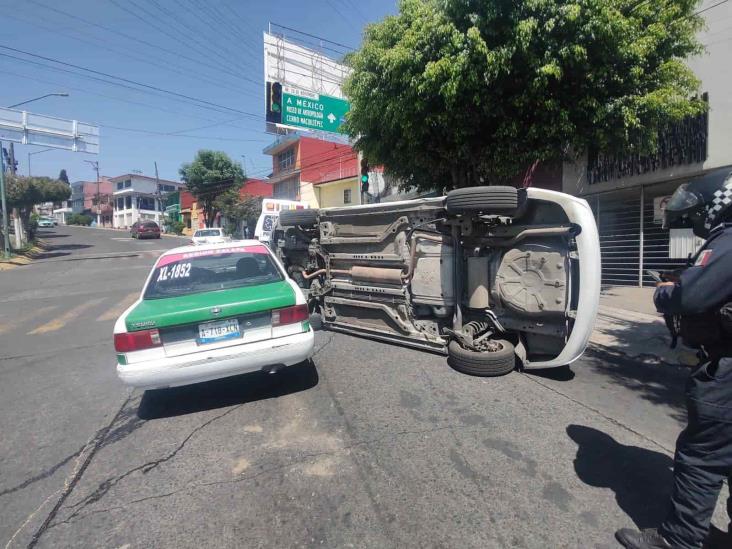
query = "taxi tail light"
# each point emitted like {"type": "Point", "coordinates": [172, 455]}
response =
{"type": "Point", "coordinates": [290, 315]}
{"type": "Point", "coordinates": [137, 341]}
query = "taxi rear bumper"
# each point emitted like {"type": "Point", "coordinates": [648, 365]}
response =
{"type": "Point", "coordinates": [218, 363]}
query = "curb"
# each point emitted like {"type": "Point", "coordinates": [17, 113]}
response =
{"type": "Point", "coordinates": [24, 258]}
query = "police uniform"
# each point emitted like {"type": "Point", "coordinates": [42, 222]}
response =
{"type": "Point", "coordinates": [704, 449]}
{"type": "Point", "coordinates": [699, 304]}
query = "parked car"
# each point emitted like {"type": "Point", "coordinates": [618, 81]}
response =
{"type": "Point", "coordinates": [145, 229]}
{"type": "Point", "coordinates": [46, 222]}
{"type": "Point", "coordinates": [493, 277]}
{"type": "Point", "coordinates": [212, 311]}
{"type": "Point", "coordinates": [209, 236]}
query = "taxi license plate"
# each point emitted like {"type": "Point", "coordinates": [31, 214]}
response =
{"type": "Point", "coordinates": [221, 330]}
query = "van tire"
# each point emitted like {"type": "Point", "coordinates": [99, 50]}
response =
{"type": "Point", "coordinates": [303, 218]}
{"type": "Point", "coordinates": [498, 200]}
{"type": "Point", "coordinates": [485, 363]}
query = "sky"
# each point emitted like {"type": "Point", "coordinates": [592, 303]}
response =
{"type": "Point", "coordinates": [206, 49]}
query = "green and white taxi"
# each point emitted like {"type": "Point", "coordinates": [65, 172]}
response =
{"type": "Point", "coordinates": [212, 311]}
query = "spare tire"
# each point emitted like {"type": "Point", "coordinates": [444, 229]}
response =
{"type": "Point", "coordinates": [303, 218]}
{"type": "Point", "coordinates": [484, 363]}
{"type": "Point", "coordinates": [498, 200]}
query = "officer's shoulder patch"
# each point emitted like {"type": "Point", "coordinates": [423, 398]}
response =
{"type": "Point", "coordinates": [703, 258]}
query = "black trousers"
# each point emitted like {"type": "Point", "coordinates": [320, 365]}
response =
{"type": "Point", "coordinates": [703, 455]}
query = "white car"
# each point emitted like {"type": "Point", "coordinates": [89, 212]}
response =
{"type": "Point", "coordinates": [212, 311]}
{"type": "Point", "coordinates": [209, 236]}
{"type": "Point", "coordinates": [494, 277]}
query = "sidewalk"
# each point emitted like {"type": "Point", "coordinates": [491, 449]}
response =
{"type": "Point", "coordinates": [627, 322]}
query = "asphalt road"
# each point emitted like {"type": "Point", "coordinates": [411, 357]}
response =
{"type": "Point", "coordinates": [367, 445]}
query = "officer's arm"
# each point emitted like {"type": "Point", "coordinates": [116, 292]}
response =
{"type": "Point", "coordinates": [700, 287]}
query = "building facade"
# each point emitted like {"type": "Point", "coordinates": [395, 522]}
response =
{"type": "Point", "coordinates": [627, 194]}
{"type": "Point", "coordinates": [86, 194]}
{"type": "Point", "coordinates": [139, 198]}
{"type": "Point", "coordinates": [321, 173]}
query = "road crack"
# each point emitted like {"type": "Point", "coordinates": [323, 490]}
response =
{"type": "Point", "coordinates": [45, 474]}
{"type": "Point", "coordinates": [104, 487]}
{"type": "Point", "coordinates": [94, 443]}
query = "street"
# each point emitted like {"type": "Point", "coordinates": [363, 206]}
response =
{"type": "Point", "coordinates": [367, 445]}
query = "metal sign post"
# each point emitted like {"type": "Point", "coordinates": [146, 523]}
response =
{"type": "Point", "coordinates": [6, 235]}
{"type": "Point", "coordinates": [34, 129]}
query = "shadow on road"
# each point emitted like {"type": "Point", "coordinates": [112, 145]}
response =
{"type": "Point", "coordinates": [640, 478]}
{"type": "Point", "coordinates": [46, 235]}
{"type": "Point", "coordinates": [657, 383]}
{"type": "Point", "coordinates": [56, 248]}
{"type": "Point", "coordinates": [563, 373]}
{"type": "Point", "coordinates": [221, 393]}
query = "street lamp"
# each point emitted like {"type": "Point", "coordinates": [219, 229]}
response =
{"type": "Point", "coordinates": [57, 94]}
{"type": "Point", "coordinates": [36, 152]}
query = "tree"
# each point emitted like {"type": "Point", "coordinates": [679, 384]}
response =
{"type": "Point", "coordinates": [25, 192]}
{"type": "Point", "coordinates": [237, 209]}
{"type": "Point", "coordinates": [63, 177]}
{"type": "Point", "coordinates": [209, 175]}
{"type": "Point", "coordinates": [453, 93]}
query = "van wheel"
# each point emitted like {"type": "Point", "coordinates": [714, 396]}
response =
{"type": "Point", "coordinates": [303, 218]}
{"type": "Point", "coordinates": [498, 200]}
{"type": "Point", "coordinates": [498, 362]}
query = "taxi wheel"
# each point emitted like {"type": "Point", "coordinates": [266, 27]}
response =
{"type": "Point", "coordinates": [498, 362]}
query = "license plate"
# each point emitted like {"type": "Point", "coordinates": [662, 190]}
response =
{"type": "Point", "coordinates": [221, 330]}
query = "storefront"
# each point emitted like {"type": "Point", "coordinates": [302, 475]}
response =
{"type": "Point", "coordinates": [632, 239]}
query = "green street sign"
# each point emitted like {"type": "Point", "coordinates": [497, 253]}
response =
{"type": "Point", "coordinates": [319, 112]}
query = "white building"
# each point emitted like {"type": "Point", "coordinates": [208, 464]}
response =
{"type": "Point", "coordinates": [628, 194]}
{"type": "Point", "coordinates": [138, 197]}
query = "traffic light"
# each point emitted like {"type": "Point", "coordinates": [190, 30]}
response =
{"type": "Point", "coordinates": [364, 175]}
{"type": "Point", "coordinates": [274, 102]}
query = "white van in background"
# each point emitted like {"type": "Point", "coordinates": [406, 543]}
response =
{"type": "Point", "coordinates": [271, 208]}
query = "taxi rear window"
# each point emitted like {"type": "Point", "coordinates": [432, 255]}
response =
{"type": "Point", "coordinates": [211, 270]}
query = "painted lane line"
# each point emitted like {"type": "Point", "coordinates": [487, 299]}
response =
{"type": "Point", "coordinates": [20, 319]}
{"type": "Point", "coordinates": [118, 309]}
{"type": "Point", "coordinates": [64, 319]}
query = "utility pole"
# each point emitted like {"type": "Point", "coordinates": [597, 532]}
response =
{"type": "Point", "coordinates": [19, 235]}
{"type": "Point", "coordinates": [6, 236]}
{"type": "Point", "coordinates": [95, 164]}
{"type": "Point", "coordinates": [157, 190]}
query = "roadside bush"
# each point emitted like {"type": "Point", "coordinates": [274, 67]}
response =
{"type": "Point", "coordinates": [79, 219]}
{"type": "Point", "coordinates": [176, 227]}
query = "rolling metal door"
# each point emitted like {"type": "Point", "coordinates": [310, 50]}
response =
{"type": "Point", "coordinates": [619, 225]}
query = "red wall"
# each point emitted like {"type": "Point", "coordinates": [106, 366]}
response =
{"type": "Point", "coordinates": [256, 187]}
{"type": "Point", "coordinates": [186, 200]}
{"type": "Point", "coordinates": [322, 161]}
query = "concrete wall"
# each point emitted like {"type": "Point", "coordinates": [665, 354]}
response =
{"type": "Point", "coordinates": [713, 69]}
{"type": "Point", "coordinates": [331, 194]}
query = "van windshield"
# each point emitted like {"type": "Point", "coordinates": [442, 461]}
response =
{"type": "Point", "coordinates": [210, 270]}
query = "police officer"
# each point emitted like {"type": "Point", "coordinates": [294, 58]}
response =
{"type": "Point", "coordinates": [699, 303]}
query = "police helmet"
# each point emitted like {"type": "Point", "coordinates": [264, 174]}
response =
{"type": "Point", "coordinates": [705, 202]}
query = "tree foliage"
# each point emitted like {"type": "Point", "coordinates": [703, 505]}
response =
{"type": "Point", "coordinates": [63, 177]}
{"type": "Point", "coordinates": [238, 209]}
{"type": "Point", "coordinates": [25, 192]}
{"type": "Point", "coordinates": [452, 93]}
{"type": "Point", "coordinates": [211, 174]}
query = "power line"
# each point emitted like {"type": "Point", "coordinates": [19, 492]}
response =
{"type": "Point", "coordinates": [710, 7]}
{"type": "Point", "coordinates": [193, 36]}
{"type": "Point", "coordinates": [339, 12]}
{"type": "Point", "coordinates": [163, 65]}
{"type": "Point", "coordinates": [176, 134]}
{"type": "Point", "coordinates": [348, 48]}
{"type": "Point", "coordinates": [204, 103]}
{"type": "Point", "coordinates": [135, 39]}
{"type": "Point", "coordinates": [164, 30]}
{"type": "Point", "coordinates": [138, 103]}
{"type": "Point", "coordinates": [218, 18]}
